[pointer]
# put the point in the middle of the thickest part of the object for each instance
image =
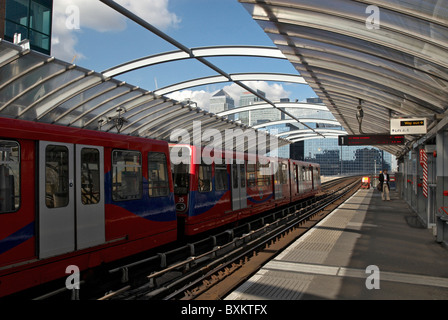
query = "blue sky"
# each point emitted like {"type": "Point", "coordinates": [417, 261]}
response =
{"type": "Point", "coordinates": [103, 39]}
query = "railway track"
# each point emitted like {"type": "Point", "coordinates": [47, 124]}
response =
{"type": "Point", "coordinates": [210, 267]}
{"type": "Point", "coordinates": [218, 264]}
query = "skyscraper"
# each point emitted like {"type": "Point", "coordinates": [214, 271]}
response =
{"type": "Point", "coordinates": [221, 101]}
{"type": "Point", "coordinates": [247, 99]}
{"type": "Point", "coordinates": [31, 19]}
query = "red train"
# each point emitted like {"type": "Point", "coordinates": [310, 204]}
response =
{"type": "Point", "coordinates": [85, 198]}
{"type": "Point", "coordinates": [212, 193]}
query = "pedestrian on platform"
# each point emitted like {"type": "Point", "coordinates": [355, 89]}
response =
{"type": "Point", "coordinates": [384, 181]}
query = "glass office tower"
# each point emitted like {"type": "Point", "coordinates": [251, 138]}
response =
{"type": "Point", "coordinates": [32, 19]}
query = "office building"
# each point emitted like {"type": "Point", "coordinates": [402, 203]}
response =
{"type": "Point", "coordinates": [221, 101]}
{"type": "Point", "coordinates": [27, 19]}
{"type": "Point", "coordinates": [247, 99]}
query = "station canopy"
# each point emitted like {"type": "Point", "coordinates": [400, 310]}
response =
{"type": "Point", "coordinates": [39, 88]}
{"type": "Point", "coordinates": [388, 58]}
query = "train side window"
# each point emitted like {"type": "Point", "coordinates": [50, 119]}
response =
{"type": "Point", "coordinates": [9, 176]}
{"type": "Point", "coordinates": [263, 177]}
{"type": "Point", "coordinates": [90, 176]}
{"type": "Point", "coordinates": [158, 175]}
{"type": "Point", "coordinates": [205, 178]}
{"type": "Point", "coordinates": [56, 176]}
{"type": "Point", "coordinates": [126, 175]}
{"type": "Point", "coordinates": [221, 177]}
{"type": "Point", "coordinates": [296, 177]}
{"type": "Point", "coordinates": [277, 174]}
{"type": "Point", "coordinates": [251, 175]}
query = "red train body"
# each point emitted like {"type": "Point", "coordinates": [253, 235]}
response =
{"type": "Point", "coordinates": [209, 194]}
{"type": "Point", "coordinates": [86, 198]}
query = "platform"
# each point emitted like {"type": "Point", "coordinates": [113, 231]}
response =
{"type": "Point", "coordinates": [330, 261]}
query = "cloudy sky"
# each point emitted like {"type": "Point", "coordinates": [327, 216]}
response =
{"type": "Point", "coordinates": [94, 36]}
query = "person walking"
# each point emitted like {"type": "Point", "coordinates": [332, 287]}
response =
{"type": "Point", "coordinates": [384, 181]}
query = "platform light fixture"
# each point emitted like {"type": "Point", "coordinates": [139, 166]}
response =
{"type": "Point", "coordinates": [360, 115]}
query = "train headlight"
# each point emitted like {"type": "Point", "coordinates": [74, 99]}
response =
{"type": "Point", "coordinates": [180, 206]}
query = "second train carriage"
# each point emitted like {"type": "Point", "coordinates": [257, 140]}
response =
{"type": "Point", "coordinates": [209, 194]}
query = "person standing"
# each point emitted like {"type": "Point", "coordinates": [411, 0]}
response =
{"type": "Point", "coordinates": [384, 181]}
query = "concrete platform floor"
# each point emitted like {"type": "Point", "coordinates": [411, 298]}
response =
{"type": "Point", "coordinates": [366, 243]}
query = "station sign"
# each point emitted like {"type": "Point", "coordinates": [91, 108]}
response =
{"type": "Point", "coordinates": [408, 126]}
{"type": "Point", "coordinates": [370, 140]}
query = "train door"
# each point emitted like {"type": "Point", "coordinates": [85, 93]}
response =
{"type": "Point", "coordinates": [312, 177]}
{"type": "Point", "coordinates": [239, 196]}
{"type": "Point", "coordinates": [56, 199]}
{"type": "Point", "coordinates": [296, 178]}
{"type": "Point", "coordinates": [278, 189]}
{"type": "Point", "coordinates": [71, 206]}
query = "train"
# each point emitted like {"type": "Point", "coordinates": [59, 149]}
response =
{"type": "Point", "coordinates": [86, 198]}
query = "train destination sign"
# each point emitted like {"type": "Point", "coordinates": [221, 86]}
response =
{"type": "Point", "coordinates": [408, 126]}
{"type": "Point", "coordinates": [370, 140]}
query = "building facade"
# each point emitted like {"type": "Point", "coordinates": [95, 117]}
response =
{"type": "Point", "coordinates": [221, 101]}
{"type": "Point", "coordinates": [247, 99]}
{"type": "Point", "coordinates": [28, 19]}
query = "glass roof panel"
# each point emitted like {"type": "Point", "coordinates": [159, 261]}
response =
{"type": "Point", "coordinates": [39, 88]}
{"type": "Point", "coordinates": [34, 81]}
{"type": "Point", "coordinates": [107, 97]}
{"type": "Point", "coordinates": [56, 93]}
{"type": "Point", "coordinates": [397, 69]}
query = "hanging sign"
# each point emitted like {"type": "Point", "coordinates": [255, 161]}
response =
{"type": "Point", "coordinates": [408, 126]}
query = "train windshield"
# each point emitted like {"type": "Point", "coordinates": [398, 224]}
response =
{"type": "Point", "coordinates": [181, 178]}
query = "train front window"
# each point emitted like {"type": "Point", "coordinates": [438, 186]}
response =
{"type": "Point", "coordinates": [9, 176]}
{"type": "Point", "coordinates": [181, 178]}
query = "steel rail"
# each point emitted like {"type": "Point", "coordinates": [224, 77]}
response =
{"type": "Point", "coordinates": [257, 244]}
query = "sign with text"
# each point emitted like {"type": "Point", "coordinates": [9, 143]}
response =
{"type": "Point", "coordinates": [370, 140]}
{"type": "Point", "coordinates": [408, 126]}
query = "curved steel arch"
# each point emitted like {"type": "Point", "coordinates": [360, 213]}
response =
{"type": "Point", "coordinates": [307, 120]}
{"type": "Point", "coordinates": [305, 132]}
{"type": "Point", "coordinates": [218, 51]}
{"type": "Point", "coordinates": [69, 95]}
{"type": "Point", "coordinates": [314, 136]}
{"type": "Point", "coordinates": [135, 18]}
{"type": "Point", "coordinates": [279, 77]}
{"type": "Point", "coordinates": [294, 105]}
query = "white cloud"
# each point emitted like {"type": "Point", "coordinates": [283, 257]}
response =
{"type": "Point", "coordinates": [274, 92]}
{"type": "Point", "coordinates": [201, 97]}
{"type": "Point", "coordinates": [97, 16]}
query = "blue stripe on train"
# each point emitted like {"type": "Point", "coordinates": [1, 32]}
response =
{"type": "Point", "coordinates": [17, 238]}
{"type": "Point", "coordinates": [261, 200]}
{"type": "Point", "coordinates": [159, 209]}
